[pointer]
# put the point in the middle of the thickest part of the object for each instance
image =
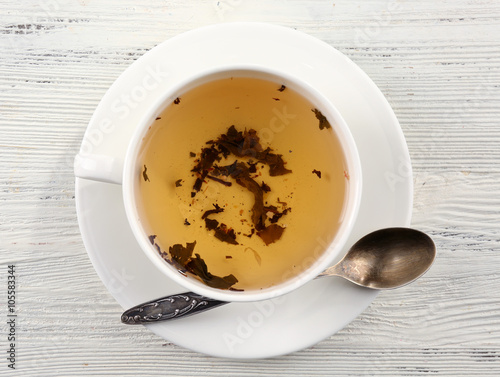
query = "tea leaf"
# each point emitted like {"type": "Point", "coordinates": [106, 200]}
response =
{"type": "Point", "coordinates": [181, 254]}
{"type": "Point", "coordinates": [323, 122]}
{"type": "Point", "coordinates": [211, 224]}
{"type": "Point", "coordinates": [265, 187]}
{"type": "Point", "coordinates": [223, 233]}
{"type": "Point", "coordinates": [145, 175]}
{"type": "Point", "coordinates": [198, 267]}
{"type": "Point", "coordinates": [225, 183]}
{"type": "Point", "coordinates": [271, 233]}
{"type": "Point", "coordinates": [211, 211]}
{"type": "Point", "coordinates": [256, 255]}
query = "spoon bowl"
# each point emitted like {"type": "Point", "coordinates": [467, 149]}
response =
{"type": "Point", "coordinates": [386, 259]}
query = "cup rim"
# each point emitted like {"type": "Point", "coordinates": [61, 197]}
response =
{"type": "Point", "coordinates": [351, 156]}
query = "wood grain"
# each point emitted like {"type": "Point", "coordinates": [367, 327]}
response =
{"type": "Point", "coordinates": [438, 64]}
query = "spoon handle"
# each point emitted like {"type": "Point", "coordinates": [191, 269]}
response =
{"type": "Point", "coordinates": [170, 307]}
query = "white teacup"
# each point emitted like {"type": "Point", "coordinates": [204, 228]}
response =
{"type": "Point", "coordinates": [125, 172]}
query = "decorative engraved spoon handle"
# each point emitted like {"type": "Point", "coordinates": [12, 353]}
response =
{"type": "Point", "coordinates": [170, 307]}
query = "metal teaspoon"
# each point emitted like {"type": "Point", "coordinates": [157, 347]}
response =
{"type": "Point", "coordinates": [384, 259]}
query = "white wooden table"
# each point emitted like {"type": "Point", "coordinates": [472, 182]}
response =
{"type": "Point", "coordinates": [438, 64]}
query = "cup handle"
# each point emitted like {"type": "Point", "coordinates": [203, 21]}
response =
{"type": "Point", "coordinates": [99, 168]}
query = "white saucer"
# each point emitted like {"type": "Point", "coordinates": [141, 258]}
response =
{"type": "Point", "coordinates": [317, 310]}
